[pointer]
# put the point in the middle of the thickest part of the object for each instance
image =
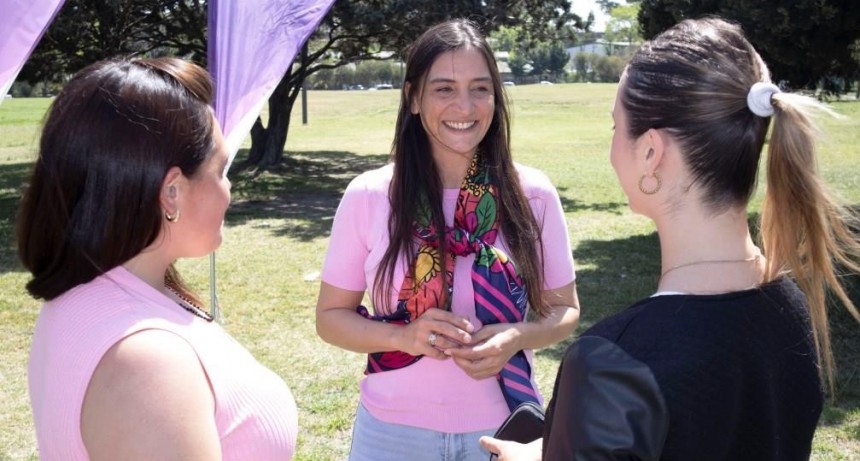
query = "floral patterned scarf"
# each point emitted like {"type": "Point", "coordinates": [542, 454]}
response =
{"type": "Point", "coordinates": [500, 294]}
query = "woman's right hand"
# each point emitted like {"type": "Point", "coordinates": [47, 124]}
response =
{"type": "Point", "coordinates": [338, 323]}
{"type": "Point", "coordinates": [433, 333]}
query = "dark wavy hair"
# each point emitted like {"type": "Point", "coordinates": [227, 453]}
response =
{"type": "Point", "coordinates": [416, 176]}
{"type": "Point", "coordinates": [109, 137]}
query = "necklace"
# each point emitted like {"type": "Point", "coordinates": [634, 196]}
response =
{"type": "Point", "coordinates": [189, 306]}
{"type": "Point", "coordinates": [710, 261]}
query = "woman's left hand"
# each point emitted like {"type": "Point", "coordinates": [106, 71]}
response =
{"type": "Point", "coordinates": [491, 348]}
{"type": "Point", "coordinates": [513, 451]}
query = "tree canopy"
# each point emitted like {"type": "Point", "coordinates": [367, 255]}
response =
{"type": "Point", "coordinates": [623, 25]}
{"type": "Point", "coordinates": [86, 31]}
{"type": "Point", "coordinates": [354, 30]}
{"type": "Point", "coordinates": [802, 41]}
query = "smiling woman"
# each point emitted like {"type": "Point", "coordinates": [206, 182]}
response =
{"type": "Point", "coordinates": [448, 344]}
{"type": "Point", "coordinates": [456, 104]}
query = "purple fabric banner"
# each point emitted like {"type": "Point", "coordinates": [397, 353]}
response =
{"type": "Point", "coordinates": [22, 23]}
{"type": "Point", "coordinates": [251, 45]}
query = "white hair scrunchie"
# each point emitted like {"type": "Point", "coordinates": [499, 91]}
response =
{"type": "Point", "coordinates": [758, 99]}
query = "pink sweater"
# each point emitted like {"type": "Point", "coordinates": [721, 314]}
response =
{"type": "Point", "coordinates": [255, 413]}
{"type": "Point", "coordinates": [433, 394]}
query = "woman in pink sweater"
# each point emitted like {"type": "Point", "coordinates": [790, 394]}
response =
{"type": "Point", "coordinates": [125, 363]}
{"type": "Point", "coordinates": [455, 243]}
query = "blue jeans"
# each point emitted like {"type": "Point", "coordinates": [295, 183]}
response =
{"type": "Point", "coordinates": [375, 440]}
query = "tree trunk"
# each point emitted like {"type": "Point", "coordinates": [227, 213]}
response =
{"type": "Point", "coordinates": [267, 144]}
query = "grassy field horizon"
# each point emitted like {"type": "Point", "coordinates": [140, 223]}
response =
{"type": "Point", "coordinates": [276, 233]}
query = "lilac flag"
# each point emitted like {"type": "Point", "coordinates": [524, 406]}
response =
{"type": "Point", "coordinates": [251, 45]}
{"type": "Point", "coordinates": [22, 23]}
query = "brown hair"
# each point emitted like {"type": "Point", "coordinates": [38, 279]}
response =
{"type": "Point", "coordinates": [416, 176]}
{"type": "Point", "coordinates": [109, 137]}
{"type": "Point", "coordinates": [692, 81]}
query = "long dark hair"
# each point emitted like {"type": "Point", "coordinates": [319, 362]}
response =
{"type": "Point", "coordinates": [416, 176]}
{"type": "Point", "coordinates": [109, 137]}
{"type": "Point", "coordinates": [693, 81]}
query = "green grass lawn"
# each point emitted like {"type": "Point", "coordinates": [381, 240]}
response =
{"type": "Point", "coordinates": [277, 230]}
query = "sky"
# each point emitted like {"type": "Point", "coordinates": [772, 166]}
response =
{"type": "Point", "coordinates": [582, 8]}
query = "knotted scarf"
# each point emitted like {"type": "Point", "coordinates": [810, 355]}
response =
{"type": "Point", "coordinates": [500, 294]}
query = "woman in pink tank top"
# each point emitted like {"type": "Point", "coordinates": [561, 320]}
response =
{"type": "Point", "coordinates": [125, 363]}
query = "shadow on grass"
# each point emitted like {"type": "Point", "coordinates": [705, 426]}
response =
{"type": "Point", "coordinates": [572, 205]}
{"type": "Point", "coordinates": [12, 177]}
{"type": "Point", "coordinates": [610, 276]}
{"type": "Point", "coordinates": [306, 188]}
{"type": "Point", "coordinates": [304, 191]}
{"type": "Point", "coordinates": [845, 338]}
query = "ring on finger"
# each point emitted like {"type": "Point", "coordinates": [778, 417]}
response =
{"type": "Point", "coordinates": [432, 339]}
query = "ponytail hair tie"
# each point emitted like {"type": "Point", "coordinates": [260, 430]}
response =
{"type": "Point", "coordinates": [758, 99]}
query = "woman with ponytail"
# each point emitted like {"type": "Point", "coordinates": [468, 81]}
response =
{"type": "Point", "coordinates": [726, 360]}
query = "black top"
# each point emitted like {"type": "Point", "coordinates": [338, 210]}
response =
{"type": "Point", "coordinates": [691, 377]}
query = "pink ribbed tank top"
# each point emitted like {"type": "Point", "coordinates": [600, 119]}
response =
{"type": "Point", "coordinates": [255, 412]}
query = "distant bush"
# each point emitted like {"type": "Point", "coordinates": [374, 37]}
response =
{"type": "Point", "coordinates": [21, 90]}
{"type": "Point", "coordinates": [609, 68]}
{"type": "Point", "coordinates": [592, 67]}
{"type": "Point", "coordinates": [368, 74]}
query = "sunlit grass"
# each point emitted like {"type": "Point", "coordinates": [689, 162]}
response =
{"type": "Point", "coordinates": [277, 229]}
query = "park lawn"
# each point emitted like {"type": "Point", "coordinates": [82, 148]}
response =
{"type": "Point", "coordinates": [277, 229]}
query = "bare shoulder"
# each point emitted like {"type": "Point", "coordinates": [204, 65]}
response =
{"type": "Point", "coordinates": [150, 398]}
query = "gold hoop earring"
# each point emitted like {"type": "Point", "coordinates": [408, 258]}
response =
{"type": "Point", "coordinates": [655, 189]}
{"type": "Point", "coordinates": [173, 218]}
